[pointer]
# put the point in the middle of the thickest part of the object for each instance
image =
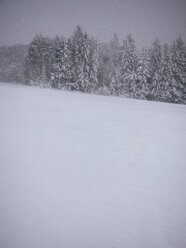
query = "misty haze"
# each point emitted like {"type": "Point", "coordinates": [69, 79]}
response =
{"type": "Point", "coordinates": [92, 124]}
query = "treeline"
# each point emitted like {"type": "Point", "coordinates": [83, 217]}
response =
{"type": "Point", "coordinates": [80, 63]}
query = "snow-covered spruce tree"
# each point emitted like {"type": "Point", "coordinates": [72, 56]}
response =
{"type": "Point", "coordinates": [38, 61]}
{"type": "Point", "coordinates": [77, 59]}
{"type": "Point", "coordinates": [32, 62]}
{"type": "Point", "coordinates": [128, 67]}
{"type": "Point", "coordinates": [155, 64]}
{"type": "Point", "coordinates": [70, 66]}
{"type": "Point", "coordinates": [109, 67]}
{"type": "Point", "coordinates": [93, 66]}
{"type": "Point", "coordinates": [61, 64]}
{"type": "Point", "coordinates": [115, 65]}
{"type": "Point", "coordinates": [85, 80]}
{"type": "Point", "coordinates": [114, 46]}
{"type": "Point", "coordinates": [164, 88]}
{"type": "Point", "coordinates": [143, 74]}
{"type": "Point", "coordinates": [178, 71]}
{"type": "Point", "coordinates": [54, 79]}
{"type": "Point", "coordinates": [104, 69]}
{"type": "Point", "coordinates": [48, 60]}
{"type": "Point", "coordinates": [84, 62]}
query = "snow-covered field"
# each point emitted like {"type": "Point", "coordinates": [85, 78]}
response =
{"type": "Point", "coordinates": [86, 171]}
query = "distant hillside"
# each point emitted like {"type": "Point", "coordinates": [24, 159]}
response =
{"type": "Point", "coordinates": [11, 63]}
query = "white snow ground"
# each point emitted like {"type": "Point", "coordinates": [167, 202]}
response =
{"type": "Point", "coordinates": [86, 171]}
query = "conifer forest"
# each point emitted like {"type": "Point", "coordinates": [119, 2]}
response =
{"type": "Point", "coordinates": [81, 63]}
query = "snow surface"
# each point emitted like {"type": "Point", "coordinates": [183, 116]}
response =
{"type": "Point", "coordinates": [86, 171]}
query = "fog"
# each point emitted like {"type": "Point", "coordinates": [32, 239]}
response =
{"type": "Point", "coordinates": [147, 20]}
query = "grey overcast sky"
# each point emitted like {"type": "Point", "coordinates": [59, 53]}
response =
{"type": "Point", "coordinates": [146, 20]}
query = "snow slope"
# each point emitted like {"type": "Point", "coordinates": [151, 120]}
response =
{"type": "Point", "coordinates": [86, 171]}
